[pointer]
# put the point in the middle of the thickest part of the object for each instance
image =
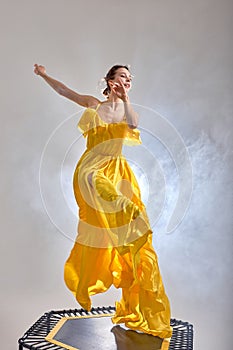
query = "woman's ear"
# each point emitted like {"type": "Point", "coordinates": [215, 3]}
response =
{"type": "Point", "coordinates": [111, 83]}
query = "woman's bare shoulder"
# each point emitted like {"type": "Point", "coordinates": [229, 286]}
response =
{"type": "Point", "coordinates": [92, 102]}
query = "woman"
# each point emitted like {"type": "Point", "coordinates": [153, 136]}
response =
{"type": "Point", "coordinates": [114, 242]}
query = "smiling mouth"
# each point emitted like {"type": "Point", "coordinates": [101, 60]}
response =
{"type": "Point", "coordinates": [127, 86]}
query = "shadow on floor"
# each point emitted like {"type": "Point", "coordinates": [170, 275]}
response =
{"type": "Point", "coordinates": [132, 340]}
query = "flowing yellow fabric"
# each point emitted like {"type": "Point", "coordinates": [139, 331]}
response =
{"type": "Point", "coordinates": [114, 241]}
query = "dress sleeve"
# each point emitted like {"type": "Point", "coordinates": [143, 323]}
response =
{"type": "Point", "coordinates": [132, 137]}
{"type": "Point", "coordinates": [84, 122]}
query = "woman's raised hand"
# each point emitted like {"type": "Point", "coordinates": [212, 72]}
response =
{"type": "Point", "coordinates": [120, 90]}
{"type": "Point", "coordinates": [39, 70]}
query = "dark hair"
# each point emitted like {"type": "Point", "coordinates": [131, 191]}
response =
{"type": "Point", "coordinates": [111, 75]}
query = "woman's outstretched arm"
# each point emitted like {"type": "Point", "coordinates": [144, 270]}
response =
{"type": "Point", "coordinates": [60, 88]}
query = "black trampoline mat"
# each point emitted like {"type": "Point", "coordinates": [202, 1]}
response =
{"type": "Point", "coordinates": [98, 332]}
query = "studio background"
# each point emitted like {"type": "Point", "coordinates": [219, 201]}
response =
{"type": "Point", "coordinates": [181, 56]}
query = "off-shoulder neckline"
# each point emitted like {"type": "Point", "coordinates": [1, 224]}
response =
{"type": "Point", "coordinates": [123, 121]}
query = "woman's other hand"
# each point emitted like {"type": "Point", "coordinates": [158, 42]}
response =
{"type": "Point", "coordinates": [120, 90]}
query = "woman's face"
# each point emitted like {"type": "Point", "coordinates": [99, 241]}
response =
{"type": "Point", "coordinates": [123, 75]}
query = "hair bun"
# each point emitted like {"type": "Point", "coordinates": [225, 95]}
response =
{"type": "Point", "coordinates": [106, 91]}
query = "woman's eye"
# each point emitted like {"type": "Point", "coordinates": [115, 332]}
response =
{"type": "Point", "coordinates": [124, 76]}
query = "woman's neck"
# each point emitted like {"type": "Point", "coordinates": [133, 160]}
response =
{"type": "Point", "coordinates": [113, 100]}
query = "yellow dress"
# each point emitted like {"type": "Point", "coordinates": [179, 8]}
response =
{"type": "Point", "coordinates": [114, 241]}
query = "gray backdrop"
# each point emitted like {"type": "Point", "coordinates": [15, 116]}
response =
{"type": "Point", "coordinates": [180, 53]}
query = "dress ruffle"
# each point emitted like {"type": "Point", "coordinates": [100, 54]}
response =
{"type": "Point", "coordinates": [91, 120]}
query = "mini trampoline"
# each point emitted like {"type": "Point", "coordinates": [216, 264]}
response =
{"type": "Point", "coordinates": [81, 330]}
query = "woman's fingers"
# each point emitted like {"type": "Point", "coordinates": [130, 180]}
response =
{"type": "Point", "coordinates": [121, 83]}
{"type": "Point", "coordinates": [119, 89]}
